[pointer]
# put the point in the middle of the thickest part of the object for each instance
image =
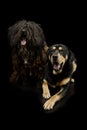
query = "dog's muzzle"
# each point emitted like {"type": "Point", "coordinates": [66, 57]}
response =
{"type": "Point", "coordinates": [23, 38]}
{"type": "Point", "coordinates": [56, 65]}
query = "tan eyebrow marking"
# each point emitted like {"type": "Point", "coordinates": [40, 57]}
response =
{"type": "Point", "coordinates": [60, 48]}
{"type": "Point", "coordinates": [54, 48]}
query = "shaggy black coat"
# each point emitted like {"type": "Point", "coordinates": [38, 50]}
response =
{"type": "Point", "coordinates": [28, 50]}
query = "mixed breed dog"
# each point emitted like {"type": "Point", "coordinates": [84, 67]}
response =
{"type": "Point", "coordinates": [52, 65]}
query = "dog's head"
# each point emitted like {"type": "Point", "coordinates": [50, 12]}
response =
{"type": "Point", "coordinates": [27, 39]}
{"type": "Point", "coordinates": [58, 55]}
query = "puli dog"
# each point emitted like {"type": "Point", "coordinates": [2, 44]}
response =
{"type": "Point", "coordinates": [58, 76]}
{"type": "Point", "coordinates": [28, 50]}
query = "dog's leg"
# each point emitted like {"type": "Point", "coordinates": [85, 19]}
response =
{"type": "Point", "coordinates": [64, 81]}
{"type": "Point", "coordinates": [49, 104]}
{"type": "Point", "coordinates": [46, 92]}
{"type": "Point", "coordinates": [64, 87]}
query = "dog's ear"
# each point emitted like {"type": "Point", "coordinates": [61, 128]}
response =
{"type": "Point", "coordinates": [48, 51]}
{"type": "Point", "coordinates": [10, 35]}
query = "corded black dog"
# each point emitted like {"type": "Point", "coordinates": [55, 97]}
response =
{"type": "Point", "coordinates": [58, 75]}
{"type": "Point", "coordinates": [28, 50]}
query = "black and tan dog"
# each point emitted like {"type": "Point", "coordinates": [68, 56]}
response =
{"type": "Point", "coordinates": [58, 74]}
{"type": "Point", "coordinates": [28, 50]}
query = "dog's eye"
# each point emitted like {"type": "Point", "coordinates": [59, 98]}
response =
{"type": "Point", "coordinates": [61, 50]}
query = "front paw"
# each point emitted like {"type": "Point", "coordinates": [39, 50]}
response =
{"type": "Point", "coordinates": [49, 104]}
{"type": "Point", "coordinates": [46, 94]}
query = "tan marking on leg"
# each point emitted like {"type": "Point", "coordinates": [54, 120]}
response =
{"type": "Point", "coordinates": [49, 104]}
{"type": "Point", "coordinates": [64, 81]}
{"type": "Point", "coordinates": [46, 92]}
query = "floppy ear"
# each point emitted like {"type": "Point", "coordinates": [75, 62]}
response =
{"type": "Point", "coordinates": [48, 52]}
{"type": "Point", "coordinates": [11, 35]}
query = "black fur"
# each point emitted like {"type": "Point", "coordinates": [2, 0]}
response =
{"type": "Point", "coordinates": [66, 71]}
{"type": "Point", "coordinates": [58, 75]}
{"type": "Point", "coordinates": [28, 50]}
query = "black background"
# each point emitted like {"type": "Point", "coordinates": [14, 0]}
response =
{"type": "Point", "coordinates": [61, 23]}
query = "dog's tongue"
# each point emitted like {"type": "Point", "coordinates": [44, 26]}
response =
{"type": "Point", "coordinates": [56, 67]}
{"type": "Point", "coordinates": [23, 42]}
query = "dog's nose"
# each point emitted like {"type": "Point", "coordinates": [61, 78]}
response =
{"type": "Point", "coordinates": [55, 58]}
{"type": "Point", "coordinates": [56, 51]}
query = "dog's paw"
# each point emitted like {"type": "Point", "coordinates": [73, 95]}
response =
{"type": "Point", "coordinates": [46, 94]}
{"type": "Point", "coordinates": [49, 104]}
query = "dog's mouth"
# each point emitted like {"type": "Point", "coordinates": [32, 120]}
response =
{"type": "Point", "coordinates": [57, 67]}
{"type": "Point", "coordinates": [23, 42]}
